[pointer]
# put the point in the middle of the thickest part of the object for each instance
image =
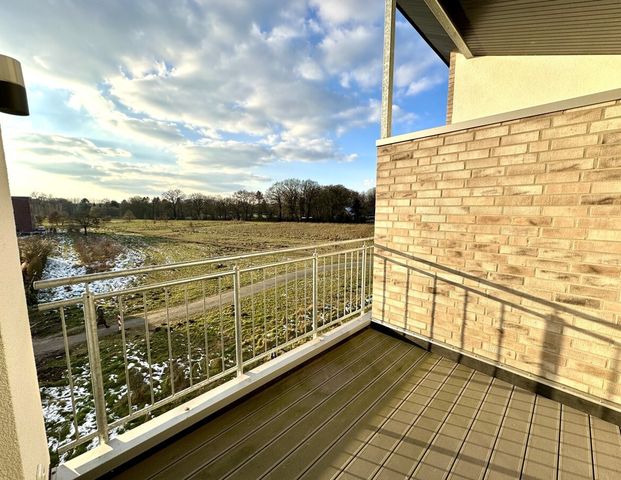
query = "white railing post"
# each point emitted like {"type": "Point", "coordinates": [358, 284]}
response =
{"type": "Point", "coordinates": [94, 359]}
{"type": "Point", "coordinates": [239, 354]}
{"type": "Point", "coordinates": [363, 289]}
{"type": "Point", "coordinates": [315, 289]}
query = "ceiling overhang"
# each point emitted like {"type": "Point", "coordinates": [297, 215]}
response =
{"type": "Point", "coordinates": [519, 27]}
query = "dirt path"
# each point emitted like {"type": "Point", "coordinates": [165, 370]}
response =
{"type": "Point", "coordinates": [45, 346]}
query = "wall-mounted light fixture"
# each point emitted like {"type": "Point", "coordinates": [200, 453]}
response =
{"type": "Point", "coordinates": [13, 98]}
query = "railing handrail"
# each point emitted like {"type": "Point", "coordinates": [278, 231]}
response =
{"type": "Point", "coordinates": [92, 277]}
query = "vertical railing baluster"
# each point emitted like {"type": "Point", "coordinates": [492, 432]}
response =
{"type": "Point", "coordinates": [276, 325]}
{"type": "Point", "coordinates": [168, 334]}
{"type": "Point", "coordinates": [264, 311]}
{"type": "Point", "coordinates": [238, 326]}
{"type": "Point", "coordinates": [94, 358]}
{"type": "Point", "coordinates": [315, 288]}
{"type": "Point", "coordinates": [338, 284]}
{"type": "Point", "coordinates": [323, 297]}
{"type": "Point", "coordinates": [286, 302]}
{"type": "Point", "coordinates": [331, 286]}
{"type": "Point", "coordinates": [205, 332]}
{"type": "Point", "coordinates": [351, 283]}
{"type": "Point", "coordinates": [187, 332]}
{"type": "Point", "coordinates": [147, 336]}
{"type": "Point", "coordinates": [124, 345]}
{"type": "Point", "coordinates": [305, 297]}
{"type": "Point", "coordinates": [357, 290]}
{"type": "Point", "coordinates": [69, 372]}
{"type": "Point", "coordinates": [221, 322]}
{"type": "Point", "coordinates": [254, 351]}
{"type": "Point", "coordinates": [297, 302]}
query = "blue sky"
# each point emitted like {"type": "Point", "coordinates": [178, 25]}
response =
{"type": "Point", "coordinates": [135, 98]}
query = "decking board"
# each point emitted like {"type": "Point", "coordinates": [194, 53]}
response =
{"type": "Point", "coordinates": [378, 407]}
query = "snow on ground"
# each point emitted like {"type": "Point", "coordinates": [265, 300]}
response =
{"type": "Point", "coordinates": [57, 402]}
{"type": "Point", "coordinates": [66, 263]}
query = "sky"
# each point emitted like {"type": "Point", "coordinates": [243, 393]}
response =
{"type": "Point", "coordinates": [138, 97]}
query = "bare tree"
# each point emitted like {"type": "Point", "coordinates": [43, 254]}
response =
{"type": "Point", "coordinates": [175, 197]}
{"type": "Point", "coordinates": [198, 202]}
{"type": "Point", "coordinates": [87, 216]}
{"type": "Point", "coordinates": [276, 195]}
{"type": "Point", "coordinates": [292, 194]}
{"type": "Point", "coordinates": [244, 200]}
{"type": "Point", "coordinates": [309, 190]}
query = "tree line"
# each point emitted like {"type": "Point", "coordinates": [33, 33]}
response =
{"type": "Point", "coordinates": [287, 200]}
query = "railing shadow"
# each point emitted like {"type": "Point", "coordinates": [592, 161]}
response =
{"type": "Point", "coordinates": [500, 342]}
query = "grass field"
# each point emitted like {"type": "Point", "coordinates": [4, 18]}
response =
{"type": "Point", "coordinates": [173, 241]}
{"type": "Point", "coordinates": [189, 348]}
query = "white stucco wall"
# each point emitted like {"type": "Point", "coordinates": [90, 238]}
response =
{"type": "Point", "coordinates": [23, 446]}
{"type": "Point", "coordinates": [487, 86]}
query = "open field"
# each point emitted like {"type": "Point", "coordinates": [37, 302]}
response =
{"type": "Point", "coordinates": [166, 346]}
{"type": "Point", "coordinates": [173, 241]}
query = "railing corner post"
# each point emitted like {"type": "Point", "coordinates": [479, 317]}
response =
{"type": "Point", "coordinates": [363, 288]}
{"type": "Point", "coordinates": [239, 354]}
{"type": "Point", "coordinates": [315, 289]}
{"type": "Point", "coordinates": [94, 359]}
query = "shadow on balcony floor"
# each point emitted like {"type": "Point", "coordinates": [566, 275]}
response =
{"type": "Point", "coordinates": [376, 406]}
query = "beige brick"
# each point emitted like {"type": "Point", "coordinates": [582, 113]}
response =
{"type": "Point", "coordinates": [567, 188]}
{"type": "Point", "coordinates": [483, 143]}
{"type": "Point", "coordinates": [566, 131]}
{"type": "Point", "coordinates": [458, 138]}
{"type": "Point", "coordinates": [539, 146]}
{"type": "Point", "coordinates": [474, 154]}
{"type": "Point", "coordinates": [601, 126]}
{"type": "Point", "coordinates": [491, 132]}
{"type": "Point", "coordinates": [444, 167]}
{"type": "Point", "coordinates": [607, 150]}
{"type": "Point", "coordinates": [602, 293]}
{"type": "Point", "coordinates": [509, 150]}
{"type": "Point", "coordinates": [610, 235]}
{"type": "Point", "coordinates": [578, 301]}
{"type": "Point", "coordinates": [572, 142]}
{"type": "Point", "coordinates": [565, 154]}
{"type": "Point", "coordinates": [606, 187]}
{"type": "Point", "coordinates": [609, 162]}
{"type": "Point", "coordinates": [524, 190]}
{"type": "Point", "coordinates": [611, 112]}
{"type": "Point", "coordinates": [431, 142]}
{"type": "Point", "coordinates": [520, 138]}
{"type": "Point", "coordinates": [458, 147]}
{"type": "Point", "coordinates": [517, 159]}
{"type": "Point", "coordinates": [558, 177]}
{"type": "Point", "coordinates": [612, 199]}
{"type": "Point", "coordinates": [580, 116]}
{"type": "Point", "coordinates": [531, 124]}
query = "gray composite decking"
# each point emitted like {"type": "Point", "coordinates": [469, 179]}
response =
{"type": "Point", "coordinates": [379, 407]}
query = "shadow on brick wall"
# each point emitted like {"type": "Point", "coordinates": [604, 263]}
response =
{"type": "Point", "coordinates": [565, 333]}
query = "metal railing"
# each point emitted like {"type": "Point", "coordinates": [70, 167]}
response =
{"type": "Point", "coordinates": [181, 337]}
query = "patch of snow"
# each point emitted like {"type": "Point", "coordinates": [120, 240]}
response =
{"type": "Point", "coordinates": [66, 263]}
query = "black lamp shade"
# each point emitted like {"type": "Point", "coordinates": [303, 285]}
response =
{"type": "Point", "coordinates": [13, 99]}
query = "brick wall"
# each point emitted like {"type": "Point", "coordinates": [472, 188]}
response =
{"type": "Point", "coordinates": [505, 241]}
{"type": "Point", "coordinates": [451, 90]}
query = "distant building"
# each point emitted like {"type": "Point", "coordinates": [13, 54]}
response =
{"type": "Point", "coordinates": [23, 214]}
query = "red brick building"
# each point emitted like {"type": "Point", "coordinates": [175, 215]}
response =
{"type": "Point", "coordinates": [23, 214]}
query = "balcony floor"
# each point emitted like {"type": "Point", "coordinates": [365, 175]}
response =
{"type": "Point", "coordinates": [378, 406]}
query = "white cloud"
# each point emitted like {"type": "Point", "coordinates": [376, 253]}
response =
{"type": "Point", "coordinates": [231, 85]}
{"type": "Point", "coordinates": [349, 11]}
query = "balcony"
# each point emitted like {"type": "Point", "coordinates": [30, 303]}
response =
{"type": "Point", "coordinates": [270, 365]}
